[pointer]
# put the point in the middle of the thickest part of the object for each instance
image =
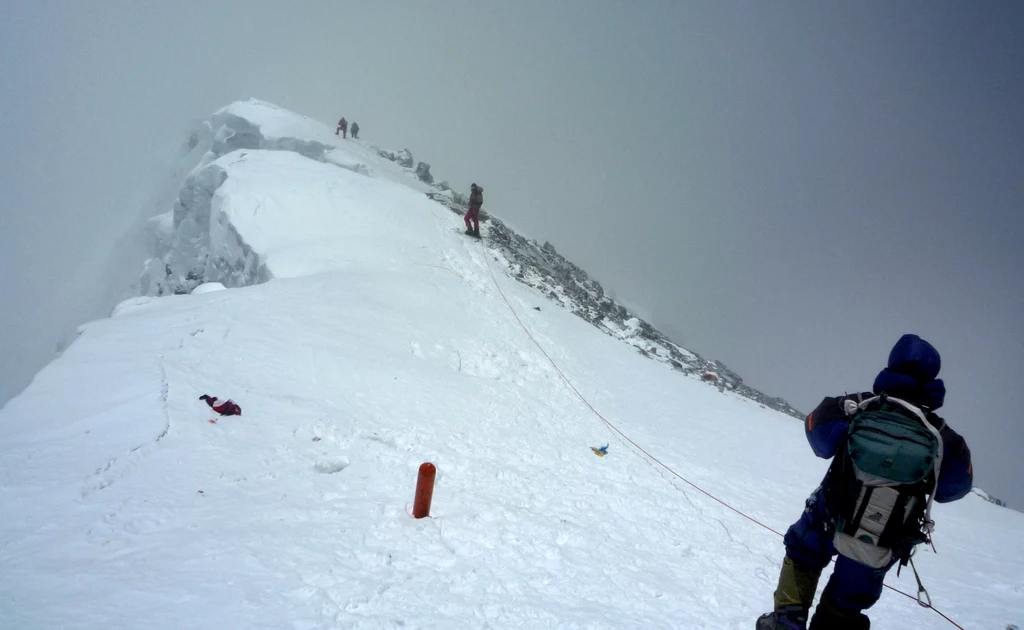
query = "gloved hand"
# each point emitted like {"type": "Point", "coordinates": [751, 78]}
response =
{"type": "Point", "coordinates": [850, 407]}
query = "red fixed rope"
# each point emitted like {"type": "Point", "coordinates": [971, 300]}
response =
{"type": "Point", "coordinates": [642, 449]}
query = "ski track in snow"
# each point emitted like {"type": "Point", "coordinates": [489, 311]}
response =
{"type": "Point", "coordinates": [368, 354]}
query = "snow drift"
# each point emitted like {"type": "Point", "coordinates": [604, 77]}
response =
{"type": "Point", "coordinates": [357, 353]}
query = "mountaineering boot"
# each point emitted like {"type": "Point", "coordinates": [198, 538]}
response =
{"type": "Point", "coordinates": [469, 231]}
{"type": "Point", "coordinates": [785, 618]}
{"type": "Point", "coordinates": [797, 584]}
{"type": "Point", "coordinates": [476, 232]}
{"type": "Point", "coordinates": [828, 617]}
{"type": "Point", "coordinates": [793, 597]}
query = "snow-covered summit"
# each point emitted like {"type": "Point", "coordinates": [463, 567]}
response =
{"type": "Point", "coordinates": [362, 334]}
{"type": "Point", "coordinates": [218, 234]}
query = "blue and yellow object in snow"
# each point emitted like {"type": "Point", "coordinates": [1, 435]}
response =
{"type": "Point", "coordinates": [600, 452]}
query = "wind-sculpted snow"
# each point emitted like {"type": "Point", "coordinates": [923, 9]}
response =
{"type": "Point", "coordinates": [199, 242]}
{"type": "Point", "coordinates": [251, 216]}
{"type": "Point", "coordinates": [203, 246]}
{"type": "Point", "coordinates": [259, 125]}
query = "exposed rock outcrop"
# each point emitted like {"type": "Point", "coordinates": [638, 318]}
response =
{"type": "Point", "coordinates": [423, 172]}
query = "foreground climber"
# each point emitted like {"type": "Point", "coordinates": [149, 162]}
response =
{"type": "Point", "coordinates": [892, 455]}
{"type": "Point", "coordinates": [476, 200]}
{"type": "Point", "coordinates": [342, 127]}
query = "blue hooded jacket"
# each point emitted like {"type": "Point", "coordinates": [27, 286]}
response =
{"type": "Point", "coordinates": [912, 376]}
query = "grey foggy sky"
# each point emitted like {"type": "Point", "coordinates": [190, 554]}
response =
{"type": "Point", "coordinates": [785, 186]}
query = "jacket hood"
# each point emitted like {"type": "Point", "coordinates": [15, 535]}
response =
{"type": "Point", "coordinates": [911, 374]}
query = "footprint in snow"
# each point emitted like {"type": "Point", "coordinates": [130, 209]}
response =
{"type": "Point", "coordinates": [331, 465]}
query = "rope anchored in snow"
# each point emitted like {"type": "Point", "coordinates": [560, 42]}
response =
{"type": "Point", "coordinates": [651, 457]}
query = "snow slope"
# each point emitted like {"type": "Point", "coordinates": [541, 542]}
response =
{"type": "Point", "coordinates": [379, 338]}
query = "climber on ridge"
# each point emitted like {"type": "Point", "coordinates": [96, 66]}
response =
{"type": "Point", "coordinates": [476, 199]}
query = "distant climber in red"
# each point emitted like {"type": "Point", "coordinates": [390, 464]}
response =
{"type": "Point", "coordinates": [476, 199]}
{"type": "Point", "coordinates": [342, 127]}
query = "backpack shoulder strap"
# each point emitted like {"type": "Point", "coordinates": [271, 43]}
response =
{"type": "Point", "coordinates": [864, 403]}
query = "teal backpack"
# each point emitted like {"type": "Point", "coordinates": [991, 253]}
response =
{"type": "Point", "coordinates": [894, 457]}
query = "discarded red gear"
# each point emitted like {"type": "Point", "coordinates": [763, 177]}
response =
{"type": "Point", "coordinates": [223, 407]}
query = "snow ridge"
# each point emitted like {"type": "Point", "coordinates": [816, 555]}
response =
{"type": "Point", "coordinates": [200, 245]}
{"type": "Point", "coordinates": [367, 352]}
